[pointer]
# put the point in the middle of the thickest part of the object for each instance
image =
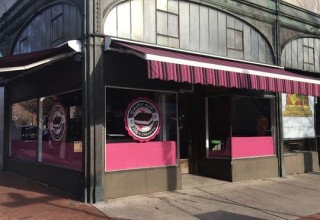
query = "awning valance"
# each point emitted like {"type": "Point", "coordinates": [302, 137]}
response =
{"type": "Point", "coordinates": [179, 66]}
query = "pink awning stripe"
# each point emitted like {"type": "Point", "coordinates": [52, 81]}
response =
{"type": "Point", "coordinates": [177, 66]}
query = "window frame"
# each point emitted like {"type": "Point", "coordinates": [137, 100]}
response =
{"type": "Point", "coordinates": [39, 131]}
{"type": "Point", "coordinates": [177, 157]}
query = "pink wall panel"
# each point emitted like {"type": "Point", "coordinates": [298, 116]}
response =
{"type": "Point", "coordinates": [252, 146]}
{"type": "Point", "coordinates": [122, 156]}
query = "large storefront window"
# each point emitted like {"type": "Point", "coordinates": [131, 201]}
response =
{"type": "Point", "coordinates": [239, 126]}
{"type": "Point", "coordinates": [61, 129]}
{"type": "Point", "coordinates": [298, 116]}
{"type": "Point", "coordinates": [58, 141]}
{"type": "Point", "coordinates": [141, 129]}
{"type": "Point", "coordinates": [23, 130]}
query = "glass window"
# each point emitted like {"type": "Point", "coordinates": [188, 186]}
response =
{"type": "Point", "coordinates": [141, 129]}
{"type": "Point", "coordinates": [50, 28]}
{"type": "Point", "coordinates": [61, 130]}
{"type": "Point", "coordinates": [23, 130]}
{"type": "Point", "coordinates": [117, 105]}
{"type": "Point", "coordinates": [239, 126]}
{"type": "Point", "coordinates": [235, 39]}
{"type": "Point", "coordinates": [251, 117]}
{"type": "Point", "coordinates": [300, 145]}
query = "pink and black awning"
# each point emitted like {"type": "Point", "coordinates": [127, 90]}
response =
{"type": "Point", "coordinates": [180, 66]}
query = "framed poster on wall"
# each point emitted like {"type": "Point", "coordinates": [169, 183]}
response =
{"type": "Point", "coordinates": [298, 116]}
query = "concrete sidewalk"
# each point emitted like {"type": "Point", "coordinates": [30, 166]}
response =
{"type": "Point", "coordinates": [22, 198]}
{"type": "Point", "coordinates": [293, 197]}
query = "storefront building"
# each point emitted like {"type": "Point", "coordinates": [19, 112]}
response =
{"type": "Point", "coordinates": [118, 98]}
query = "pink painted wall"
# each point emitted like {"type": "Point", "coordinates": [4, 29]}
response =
{"type": "Point", "coordinates": [26, 150]}
{"type": "Point", "coordinates": [252, 146]}
{"type": "Point", "coordinates": [122, 156]}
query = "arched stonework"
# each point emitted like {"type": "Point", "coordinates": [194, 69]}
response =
{"type": "Point", "coordinates": [53, 26]}
{"type": "Point", "coordinates": [188, 26]}
{"type": "Point", "coordinates": [302, 54]}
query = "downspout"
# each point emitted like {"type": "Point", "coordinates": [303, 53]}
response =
{"type": "Point", "coordinates": [86, 141]}
{"type": "Point", "coordinates": [279, 127]}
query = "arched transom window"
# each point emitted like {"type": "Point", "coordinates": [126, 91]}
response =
{"type": "Point", "coordinates": [53, 26]}
{"type": "Point", "coordinates": [189, 26]}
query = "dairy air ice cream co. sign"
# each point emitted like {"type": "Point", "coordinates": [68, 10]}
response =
{"type": "Point", "coordinates": [297, 116]}
{"type": "Point", "coordinates": [142, 119]}
{"type": "Point", "coordinates": [57, 122]}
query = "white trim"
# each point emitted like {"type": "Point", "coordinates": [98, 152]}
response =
{"type": "Point", "coordinates": [226, 68]}
{"type": "Point", "coordinates": [73, 44]}
{"type": "Point", "coordinates": [38, 63]}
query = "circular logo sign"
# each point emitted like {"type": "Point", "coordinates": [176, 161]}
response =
{"type": "Point", "coordinates": [57, 122]}
{"type": "Point", "coordinates": [142, 119]}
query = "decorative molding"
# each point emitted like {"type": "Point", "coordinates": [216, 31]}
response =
{"type": "Point", "coordinates": [98, 16]}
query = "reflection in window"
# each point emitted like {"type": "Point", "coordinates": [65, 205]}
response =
{"type": "Point", "coordinates": [60, 133]}
{"type": "Point", "coordinates": [141, 129]}
{"type": "Point", "coordinates": [61, 129]}
{"type": "Point", "coordinates": [23, 130]}
{"type": "Point", "coordinates": [251, 117]}
{"type": "Point", "coordinates": [116, 107]}
{"type": "Point", "coordinates": [50, 28]}
{"type": "Point", "coordinates": [234, 118]}
{"type": "Point", "coordinates": [300, 145]}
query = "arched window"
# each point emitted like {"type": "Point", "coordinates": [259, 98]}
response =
{"type": "Point", "coordinates": [302, 54]}
{"type": "Point", "coordinates": [188, 26]}
{"type": "Point", "coordinates": [50, 28]}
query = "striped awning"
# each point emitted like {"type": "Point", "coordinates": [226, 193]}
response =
{"type": "Point", "coordinates": [26, 61]}
{"type": "Point", "coordinates": [179, 66]}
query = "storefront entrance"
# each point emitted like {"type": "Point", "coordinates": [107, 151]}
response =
{"type": "Point", "coordinates": [185, 132]}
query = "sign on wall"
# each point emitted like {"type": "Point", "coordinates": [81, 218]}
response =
{"type": "Point", "coordinates": [142, 119]}
{"type": "Point", "coordinates": [57, 122]}
{"type": "Point", "coordinates": [298, 116]}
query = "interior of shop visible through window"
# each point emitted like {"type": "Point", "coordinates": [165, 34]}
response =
{"type": "Point", "coordinates": [141, 129]}
{"type": "Point", "coordinates": [239, 126]}
{"type": "Point", "coordinates": [58, 139]}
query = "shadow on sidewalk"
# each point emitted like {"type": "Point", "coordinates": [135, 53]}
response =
{"type": "Point", "coordinates": [39, 201]}
{"type": "Point", "coordinates": [15, 181]}
{"type": "Point", "coordinates": [224, 215]}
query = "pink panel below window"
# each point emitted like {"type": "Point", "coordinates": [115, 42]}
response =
{"type": "Point", "coordinates": [24, 149]}
{"type": "Point", "coordinates": [252, 146]}
{"type": "Point", "coordinates": [122, 156]}
{"type": "Point", "coordinates": [51, 153]}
